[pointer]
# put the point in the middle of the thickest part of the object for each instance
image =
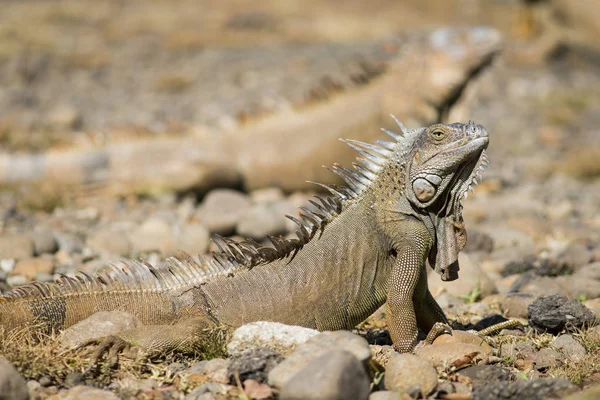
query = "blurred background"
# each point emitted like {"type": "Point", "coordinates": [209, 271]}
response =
{"type": "Point", "coordinates": [130, 128]}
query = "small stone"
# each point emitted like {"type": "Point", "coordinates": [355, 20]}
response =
{"type": "Point", "coordinates": [73, 379]}
{"type": "Point", "coordinates": [254, 365]}
{"type": "Point", "coordinates": [64, 118]}
{"type": "Point", "coordinates": [103, 323]}
{"type": "Point", "coordinates": [69, 243]}
{"type": "Point", "coordinates": [222, 209]}
{"type": "Point", "coordinates": [449, 354]}
{"type": "Point", "coordinates": [544, 359]}
{"type": "Point", "coordinates": [389, 395]}
{"type": "Point", "coordinates": [15, 247]}
{"type": "Point", "coordinates": [193, 239]}
{"type": "Point", "coordinates": [280, 338]}
{"type": "Point", "coordinates": [466, 337]}
{"type": "Point", "coordinates": [315, 347]}
{"type": "Point", "coordinates": [514, 305]}
{"type": "Point", "coordinates": [382, 354]}
{"type": "Point", "coordinates": [554, 313]}
{"type": "Point", "coordinates": [17, 280]}
{"type": "Point", "coordinates": [44, 242]}
{"type": "Point", "coordinates": [408, 373]}
{"type": "Point", "coordinates": [485, 374]}
{"type": "Point", "coordinates": [472, 278]}
{"type": "Point", "coordinates": [82, 392]}
{"type": "Point", "coordinates": [267, 195]}
{"type": "Point", "coordinates": [479, 241]}
{"type": "Point", "coordinates": [210, 387]}
{"type": "Point", "coordinates": [30, 267]}
{"type": "Point", "coordinates": [334, 375]}
{"type": "Point", "coordinates": [110, 242]}
{"type": "Point", "coordinates": [155, 234]}
{"type": "Point", "coordinates": [569, 347]}
{"type": "Point", "coordinates": [12, 385]}
{"type": "Point", "coordinates": [260, 221]}
{"type": "Point", "coordinates": [256, 390]}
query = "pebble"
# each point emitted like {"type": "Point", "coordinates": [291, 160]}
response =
{"type": "Point", "coordinates": [486, 374]}
{"type": "Point", "coordinates": [389, 395]}
{"type": "Point", "coordinates": [280, 338]}
{"type": "Point", "coordinates": [69, 243]}
{"type": "Point", "coordinates": [442, 355]}
{"type": "Point", "coordinates": [12, 384]}
{"type": "Point", "coordinates": [82, 392]}
{"type": "Point", "coordinates": [31, 267]}
{"type": "Point", "coordinates": [254, 365]}
{"type": "Point", "coordinates": [569, 347]}
{"type": "Point", "coordinates": [15, 247]}
{"type": "Point", "coordinates": [534, 389]}
{"type": "Point", "coordinates": [222, 210]}
{"type": "Point", "coordinates": [262, 220]}
{"type": "Point", "coordinates": [111, 242]}
{"type": "Point", "coordinates": [155, 234]}
{"type": "Point", "coordinates": [100, 324]}
{"type": "Point", "coordinates": [256, 390]}
{"type": "Point", "coordinates": [315, 347]}
{"type": "Point", "coordinates": [193, 239]}
{"type": "Point", "coordinates": [514, 305]}
{"type": "Point", "coordinates": [407, 373]}
{"type": "Point", "coordinates": [466, 337]}
{"type": "Point", "coordinates": [554, 313]}
{"type": "Point", "coordinates": [471, 278]}
{"type": "Point", "coordinates": [543, 359]}
{"type": "Point", "coordinates": [44, 242]}
{"type": "Point", "coordinates": [336, 374]}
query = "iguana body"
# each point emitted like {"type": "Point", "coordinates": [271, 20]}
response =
{"type": "Point", "coordinates": [261, 117]}
{"type": "Point", "coordinates": [363, 247]}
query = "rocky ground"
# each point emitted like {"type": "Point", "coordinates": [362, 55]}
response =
{"type": "Point", "coordinates": [533, 256]}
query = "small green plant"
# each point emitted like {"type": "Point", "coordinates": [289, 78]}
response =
{"type": "Point", "coordinates": [474, 295]}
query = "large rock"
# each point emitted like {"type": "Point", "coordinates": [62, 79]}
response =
{"type": "Point", "coordinates": [12, 385]}
{"type": "Point", "coordinates": [103, 323]}
{"type": "Point", "coordinates": [315, 347]}
{"type": "Point", "coordinates": [535, 389]}
{"type": "Point", "coordinates": [554, 313]}
{"type": "Point", "coordinates": [334, 375]}
{"type": "Point", "coordinates": [82, 392]}
{"type": "Point", "coordinates": [280, 338]}
{"type": "Point", "coordinates": [15, 247]}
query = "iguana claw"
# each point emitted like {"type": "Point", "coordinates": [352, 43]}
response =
{"type": "Point", "coordinates": [111, 344]}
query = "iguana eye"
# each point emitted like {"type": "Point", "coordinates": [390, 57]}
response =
{"type": "Point", "coordinates": [438, 135]}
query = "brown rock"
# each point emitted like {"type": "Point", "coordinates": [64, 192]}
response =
{"type": "Point", "coordinates": [15, 247]}
{"type": "Point", "coordinates": [405, 372]}
{"type": "Point", "coordinates": [112, 242]}
{"type": "Point", "coordinates": [30, 267]}
{"type": "Point", "coordinates": [465, 337]}
{"type": "Point", "coordinates": [103, 323]}
{"type": "Point", "coordinates": [443, 355]}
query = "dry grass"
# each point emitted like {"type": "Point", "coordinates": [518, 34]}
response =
{"type": "Point", "coordinates": [583, 162]}
{"type": "Point", "coordinates": [173, 83]}
{"type": "Point", "coordinates": [37, 355]}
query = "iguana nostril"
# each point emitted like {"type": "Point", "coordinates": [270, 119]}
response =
{"type": "Point", "coordinates": [424, 190]}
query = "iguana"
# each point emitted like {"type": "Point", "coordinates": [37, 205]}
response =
{"type": "Point", "coordinates": [364, 246]}
{"type": "Point", "coordinates": [291, 98]}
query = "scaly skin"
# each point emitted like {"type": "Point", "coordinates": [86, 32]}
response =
{"type": "Point", "coordinates": [363, 247]}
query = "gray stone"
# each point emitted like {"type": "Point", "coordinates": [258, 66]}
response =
{"type": "Point", "coordinates": [315, 347]}
{"type": "Point", "coordinates": [280, 338]}
{"type": "Point", "coordinates": [44, 242]}
{"type": "Point", "coordinates": [82, 392]}
{"type": "Point", "coordinates": [486, 374]}
{"type": "Point", "coordinates": [100, 324]}
{"type": "Point", "coordinates": [15, 247]}
{"type": "Point", "coordinates": [387, 395]}
{"type": "Point", "coordinates": [111, 242]}
{"type": "Point", "coordinates": [30, 267]}
{"type": "Point", "coordinates": [569, 347]}
{"type": "Point", "coordinates": [514, 305]}
{"type": "Point", "coordinates": [334, 375]}
{"type": "Point", "coordinates": [69, 242]}
{"type": "Point", "coordinates": [193, 239]}
{"type": "Point", "coordinates": [155, 234]}
{"type": "Point", "coordinates": [472, 277]}
{"type": "Point", "coordinates": [210, 388]}
{"type": "Point", "coordinates": [254, 365]}
{"type": "Point", "coordinates": [554, 313]}
{"type": "Point", "coordinates": [535, 389]}
{"type": "Point", "coordinates": [12, 385]}
{"type": "Point", "coordinates": [544, 359]}
{"type": "Point", "coordinates": [222, 209]}
{"type": "Point", "coordinates": [408, 373]}
{"type": "Point", "coordinates": [262, 220]}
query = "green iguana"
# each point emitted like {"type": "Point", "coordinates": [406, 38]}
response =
{"type": "Point", "coordinates": [366, 245]}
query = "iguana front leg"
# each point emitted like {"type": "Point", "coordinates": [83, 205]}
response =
{"type": "Point", "coordinates": [408, 293]}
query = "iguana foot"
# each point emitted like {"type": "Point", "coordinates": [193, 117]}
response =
{"type": "Point", "coordinates": [438, 329]}
{"type": "Point", "coordinates": [114, 345]}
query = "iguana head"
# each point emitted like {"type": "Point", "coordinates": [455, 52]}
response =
{"type": "Point", "coordinates": [445, 164]}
